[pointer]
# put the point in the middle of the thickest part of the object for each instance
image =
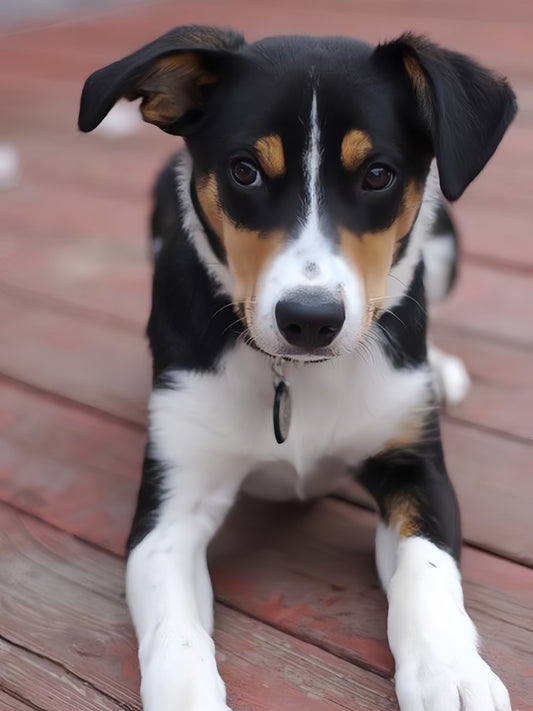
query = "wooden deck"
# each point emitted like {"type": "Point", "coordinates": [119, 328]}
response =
{"type": "Point", "coordinates": [300, 620]}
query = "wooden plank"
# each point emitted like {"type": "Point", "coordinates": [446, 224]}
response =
{"type": "Point", "coordinates": [491, 231]}
{"type": "Point", "coordinates": [91, 362]}
{"type": "Point", "coordinates": [502, 184]}
{"type": "Point", "coordinates": [10, 703]}
{"type": "Point", "coordinates": [52, 688]}
{"type": "Point", "coordinates": [502, 394]}
{"type": "Point", "coordinates": [492, 477]}
{"type": "Point", "coordinates": [89, 214]}
{"type": "Point", "coordinates": [76, 471]}
{"type": "Point", "coordinates": [126, 30]}
{"type": "Point", "coordinates": [492, 303]}
{"type": "Point", "coordinates": [59, 593]}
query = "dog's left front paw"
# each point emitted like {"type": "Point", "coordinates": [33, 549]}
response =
{"type": "Point", "coordinates": [461, 685]}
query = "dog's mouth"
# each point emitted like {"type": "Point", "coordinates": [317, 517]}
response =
{"type": "Point", "coordinates": [286, 352]}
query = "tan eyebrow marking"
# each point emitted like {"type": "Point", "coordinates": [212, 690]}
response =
{"type": "Point", "coordinates": [356, 145]}
{"type": "Point", "coordinates": [271, 155]}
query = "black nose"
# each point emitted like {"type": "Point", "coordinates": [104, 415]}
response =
{"type": "Point", "coordinates": [309, 322]}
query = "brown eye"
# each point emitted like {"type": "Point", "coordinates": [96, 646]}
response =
{"type": "Point", "coordinates": [378, 177]}
{"type": "Point", "coordinates": [245, 173]}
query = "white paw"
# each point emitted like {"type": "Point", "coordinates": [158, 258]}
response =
{"type": "Point", "coordinates": [462, 684]}
{"type": "Point", "coordinates": [451, 378]}
{"type": "Point", "coordinates": [433, 640]}
{"type": "Point", "coordinates": [179, 673]}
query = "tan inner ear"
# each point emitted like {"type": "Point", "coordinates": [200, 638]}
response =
{"type": "Point", "coordinates": [372, 253]}
{"type": "Point", "coordinates": [420, 85]}
{"type": "Point", "coordinates": [172, 86]}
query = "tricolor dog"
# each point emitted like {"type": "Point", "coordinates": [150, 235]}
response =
{"type": "Point", "coordinates": [298, 240]}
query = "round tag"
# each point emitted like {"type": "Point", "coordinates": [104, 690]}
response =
{"type": "Point", "coordinates": [282, 411]}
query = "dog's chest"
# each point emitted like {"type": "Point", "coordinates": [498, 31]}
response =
{"type": "Point", "coordinates": [343, 411]}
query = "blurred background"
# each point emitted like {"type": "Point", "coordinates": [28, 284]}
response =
{"type": "Point", "coordinates": [74, 300]}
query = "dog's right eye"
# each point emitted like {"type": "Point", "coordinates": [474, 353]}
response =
{"type": "Point", "coordinates": [246, 173]}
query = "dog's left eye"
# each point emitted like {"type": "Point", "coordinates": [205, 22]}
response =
{"type": "Point", "coordinates": [378, 177]}
{"type": "Point", "coordinates": [246, 173]}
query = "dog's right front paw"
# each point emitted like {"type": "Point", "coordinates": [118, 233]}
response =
{"type": "Point", "coordinates": [180, 674]}
{"type": "Point", "coordinates": [469, 684]}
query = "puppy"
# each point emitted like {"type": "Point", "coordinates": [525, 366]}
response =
{"type": "Point", "coordinates": [288, 326]}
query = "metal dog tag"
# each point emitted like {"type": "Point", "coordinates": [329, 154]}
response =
{"type": "Point", "coordinates": [282, 405]}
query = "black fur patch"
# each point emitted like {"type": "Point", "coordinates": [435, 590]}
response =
{"type": "Point", "coordinates": [148, 501]}
{"type": "Point", "coordinates": [418, 475]}
{"type": "Point", "coordinates": [403, 328]}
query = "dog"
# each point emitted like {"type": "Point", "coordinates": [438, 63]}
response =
{"type": "Point", "coordinates": [298, 240]}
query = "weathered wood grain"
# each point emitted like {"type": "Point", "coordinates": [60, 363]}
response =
{"type": "Point", "coordinates": [502, 394]}
{"type": "Point", "coordinates": [46, 685]}
{"type": "Point", "coordinates": [491, 303]}
{"type": "Point", "coordinates": [94, 363]}
{"type": "Point", "coordinates": [61, 604]}
{"type": "Point", "coordinates": [310, 572]}
{"type": "Point", "coordinates": [502, 43]}
{"type": "Point", "coordinates": [10, 703]}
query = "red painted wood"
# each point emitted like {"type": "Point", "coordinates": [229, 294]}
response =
{"type": "Point", "coordinates": [9, 703]}
{"type": "Point", "coordinates": [65, 603]}
{"type": "Point", "coordinates": [46, 685]}
{"type": "Point", "coordinates": [502, 394]}
{"type": "Point", "coordinates": [492, 303]}
{"type": "Point", "coordinates": [91, 362]}
{"type": "Point", "coordinates": [310, 572]}
{"type": "Point", "coordinates": [503, 43]}
{"type": "Point", "coordinates": [78, 472]}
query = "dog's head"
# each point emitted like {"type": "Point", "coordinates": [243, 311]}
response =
{"type": "Point", "coordinates": [310, 158]}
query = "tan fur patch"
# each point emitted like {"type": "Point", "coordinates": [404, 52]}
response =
{"type": "Point", "coordinates": [356, 146]}
{"type": "Point", "coordinates": [404, 515]}
{"type": "Point", "coordinates": [372, 254]}
{"type": "Point", "coordinates": [271, 156]}
{"type": "Point", "coordinates": [171, 87]}
{"type": "Point", "coordinates": [248, 252]}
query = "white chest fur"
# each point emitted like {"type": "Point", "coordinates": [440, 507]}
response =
{"type": "Point", "coordinates": [343, 411]}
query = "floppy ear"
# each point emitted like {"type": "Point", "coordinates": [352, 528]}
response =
{"type": "Point", "coordinates": [465, 108]}
{"type": "Point", "coordinates": [173, 76]}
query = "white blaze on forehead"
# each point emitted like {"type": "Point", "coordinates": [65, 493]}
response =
{"type": "Point", "coordinates": [311, 245]}
{"type": "Point", "coordinates": [312, 168]}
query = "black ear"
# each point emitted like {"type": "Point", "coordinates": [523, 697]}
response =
{"type": "Point", "coordinates": [173, 75]}
{"type": "Point", "coordinates": [465, 108]}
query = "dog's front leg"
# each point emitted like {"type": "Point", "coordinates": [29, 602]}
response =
{"type": "Point", "coordinates": [433, 640]}
{"type": "Point", "coordinates": [168, 588]}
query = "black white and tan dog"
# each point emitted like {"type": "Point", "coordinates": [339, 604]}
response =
{"type": "Point", "coordinates": [298, 241]}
